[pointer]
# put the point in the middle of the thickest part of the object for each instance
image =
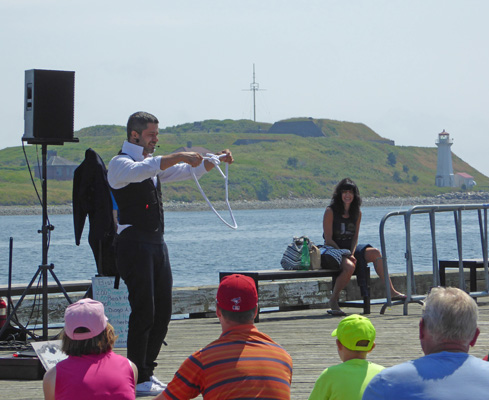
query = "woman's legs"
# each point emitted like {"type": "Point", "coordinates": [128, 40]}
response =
{"type": "Point", "coordinates": [373, 255]}
{"type": "Point", "coordinates": [347, 268]}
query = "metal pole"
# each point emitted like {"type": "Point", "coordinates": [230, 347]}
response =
{"type": "Point", "coordinates": [9, 289]}
{"type": "Point", "coordinates": [254, 91]}
{"type": "Point", "coordinates": [254, 103]}
{"type": "Point", "coordinates": [457, 215]}
{"type": "Point", "coordinates": [434, 252]}
{"type": "Point", "coordinates": [384, 259]}
{"type": "Point", "coordinates": [254, 87]}
{"type": "Point", "coordinates": [409, 256]}
{"type": "Point", "coordinates": [45, 233]}
{"type": "Point", "coordinates": [483, 232]}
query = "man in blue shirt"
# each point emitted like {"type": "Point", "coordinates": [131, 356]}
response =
{"type": "Point", "coordinates": [448, 328]}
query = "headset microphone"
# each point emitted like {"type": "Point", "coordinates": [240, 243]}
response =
{"type": "Point", "coordinates": [136, 140]}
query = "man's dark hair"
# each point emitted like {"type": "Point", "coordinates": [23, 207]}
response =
{"type": "Point", "coordinates": [139, 122]}
{"type": "Point", "coordinates": [243, 317]}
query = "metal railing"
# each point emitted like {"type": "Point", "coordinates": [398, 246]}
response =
{"type": "Point", "coordinates": [457, 210]}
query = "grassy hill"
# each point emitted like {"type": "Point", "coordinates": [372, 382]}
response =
{"type": "Point", "coordinates": [281, 166]}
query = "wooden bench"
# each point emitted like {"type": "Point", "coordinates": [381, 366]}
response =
{"type": "Point", "coordinates": [280, 274]}
{"type": "Point", "coordinates": [472, 264]}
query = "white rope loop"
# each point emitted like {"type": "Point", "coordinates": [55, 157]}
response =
{"type": "Point", "coordinates": [216, 160]}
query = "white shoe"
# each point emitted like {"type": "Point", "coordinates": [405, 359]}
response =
{"type": "Point", "coordinates": [148, 388]}
{"type": "Point", "coordinates": [156, 381]}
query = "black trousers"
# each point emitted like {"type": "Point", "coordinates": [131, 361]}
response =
{"type": "Point", "coordinates": [146, 271]}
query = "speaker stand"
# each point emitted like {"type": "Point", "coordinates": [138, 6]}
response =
{"type": "Point", "coordinates": [44, 268]}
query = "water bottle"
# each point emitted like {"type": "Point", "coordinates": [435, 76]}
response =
{"type": "Point", "coordinates": [305, 258]}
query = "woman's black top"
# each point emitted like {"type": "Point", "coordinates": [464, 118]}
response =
{"type": "Point", "coordinates": [343, 231]}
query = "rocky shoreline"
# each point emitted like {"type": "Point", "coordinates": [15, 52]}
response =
{"type": "Point", "coordinates": [446, 198]}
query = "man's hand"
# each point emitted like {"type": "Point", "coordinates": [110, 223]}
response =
{"type": "Point", "coordinates": [227, 158]}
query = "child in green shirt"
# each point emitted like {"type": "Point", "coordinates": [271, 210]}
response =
{"type": "Point", "coordinates": [355, 338]}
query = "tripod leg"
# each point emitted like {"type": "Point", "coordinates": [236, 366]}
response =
{"type": "Point", "coordinates": [9, 317]}
{"type": "Point", "coordinates": [59, 284]}
{"type": "Point", "coordinates": [15, 318]}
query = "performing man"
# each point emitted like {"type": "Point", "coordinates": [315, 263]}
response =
{"type": "Point", "coordinates": [134, 176]}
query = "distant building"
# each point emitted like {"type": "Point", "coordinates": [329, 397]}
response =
{"type": "Point", "coordinates": [301, 128]}
{"type": "Point", "coordinates": [462, 179]}
{"type": "Point", "coordinates": [57, 168]}
{"type": "Point", "coordinates": [444, 169]}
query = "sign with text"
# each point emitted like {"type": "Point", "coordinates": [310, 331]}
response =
{"type": "Point", "coordinates": [116, 304]}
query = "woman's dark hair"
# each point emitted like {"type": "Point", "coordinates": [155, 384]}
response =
{"type": "Point", "coordinates": [102, 343]}
{"type": "Point", "coordinates": [337, 202]}
{"type": "Point", "coordinates": [139, 122]}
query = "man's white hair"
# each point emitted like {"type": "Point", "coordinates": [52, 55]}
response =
{"type": "Point", "coordinates": [450, 314]}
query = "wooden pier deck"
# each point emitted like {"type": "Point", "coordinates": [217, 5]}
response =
{"type": "Point", "coordinates": [305, 334]}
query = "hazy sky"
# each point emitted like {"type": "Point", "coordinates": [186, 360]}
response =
{"type": "Point", "coordinates": [407, 69]}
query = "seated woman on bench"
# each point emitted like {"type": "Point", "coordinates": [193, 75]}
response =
{"type": "Point", "coordinates": [341, 225]}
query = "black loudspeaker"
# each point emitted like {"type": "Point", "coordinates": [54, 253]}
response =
{"type": "Point", "coordinates": [49, 104]}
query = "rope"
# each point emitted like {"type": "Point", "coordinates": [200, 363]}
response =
{"type": "Point", "coordinates": [215, 159]}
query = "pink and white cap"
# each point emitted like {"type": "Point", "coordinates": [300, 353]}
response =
{"type": "Point", "coordinates": [85, 313]}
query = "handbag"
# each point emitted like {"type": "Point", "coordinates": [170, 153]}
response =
{"type": "Point", "coordinates": [292, 256]}
{"type": "Point", "coordinates": [315, 256]}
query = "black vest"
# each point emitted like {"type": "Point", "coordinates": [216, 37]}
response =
{"type": "Point", "coordinates": [140, 205]}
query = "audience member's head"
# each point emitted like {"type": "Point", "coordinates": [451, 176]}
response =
{"type": "Point", "coordinates": [355, 333]}
{"type": "Point", "coordinates": [237, 298]}
{"type": "Point", "coordinates": [86, 329]}
{"type": "Point", "coordinates": [449, 317]}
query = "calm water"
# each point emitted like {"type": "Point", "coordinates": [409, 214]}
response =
{"type": "Point", "coordinates": [200, 245]}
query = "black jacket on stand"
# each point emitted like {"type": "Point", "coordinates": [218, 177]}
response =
{"type": "Point", "coordinates": [91, 196]}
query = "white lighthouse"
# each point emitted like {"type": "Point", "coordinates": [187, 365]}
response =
{"type": "Point", "coordinates": [444, 169]}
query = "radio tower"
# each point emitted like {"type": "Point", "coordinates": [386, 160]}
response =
{"type": "Point", "coordinates": [254, 87]}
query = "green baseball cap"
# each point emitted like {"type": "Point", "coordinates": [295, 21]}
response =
{"type": "Point", "coordinates": [355, 331]}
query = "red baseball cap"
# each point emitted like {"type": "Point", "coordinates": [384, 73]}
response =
{"type": "Point", "coordinates": [237, 293]}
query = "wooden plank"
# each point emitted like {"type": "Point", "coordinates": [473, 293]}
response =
{"type": "Point", "coordinates": [194, 299]}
